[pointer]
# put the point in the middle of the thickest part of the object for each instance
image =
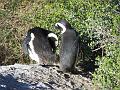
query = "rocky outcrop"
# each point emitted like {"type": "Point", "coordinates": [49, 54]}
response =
{"type": "Point", "coordinates": [36, 77]}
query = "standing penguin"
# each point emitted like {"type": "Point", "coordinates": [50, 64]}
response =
{"type": "Point", "coordinates": [40, 45]}
{"type": "Point", "coordinates": [69, 46]}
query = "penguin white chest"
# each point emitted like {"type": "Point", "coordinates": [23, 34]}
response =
{"type": "Point", "coordinates": [33, 55]}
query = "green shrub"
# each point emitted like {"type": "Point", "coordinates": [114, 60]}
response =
{"type": "Point", "coordinates": [107, 76]}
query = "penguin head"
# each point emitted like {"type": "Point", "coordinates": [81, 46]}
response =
{"type": "Point", "coordinates": [63, 25]}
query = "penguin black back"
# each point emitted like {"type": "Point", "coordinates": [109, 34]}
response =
{"type": "Point", "coordinates": [68, 47]}
{"type": "Point", "coordinates": [40, 45]}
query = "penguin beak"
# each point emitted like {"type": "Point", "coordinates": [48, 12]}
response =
{"type": "Point", "coordinates": [61, 27]}
{"type": "Point", "coordinates": [57, 26]}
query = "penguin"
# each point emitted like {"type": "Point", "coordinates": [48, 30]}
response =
{"type": "Point", "coordinates": [69, 46]}
{"type": "Point", "coordinates": [40, 44]}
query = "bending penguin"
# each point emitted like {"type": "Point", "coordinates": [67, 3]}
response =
{"type": "Point", "coordinates": [40, 45]}
{"type": "Point", "coordinates": [68, 47]}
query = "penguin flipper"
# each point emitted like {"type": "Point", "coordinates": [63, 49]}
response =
{"type": "Point", "coordinates": [76, 43]}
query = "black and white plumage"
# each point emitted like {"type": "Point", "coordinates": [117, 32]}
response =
{"type": "Point", "coordinates": [69, 46]}
{"type": "Point", "coordinates": [40, 45]}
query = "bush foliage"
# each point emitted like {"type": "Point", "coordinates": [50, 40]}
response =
{"type": "Point", "coordinates": [97, 21]}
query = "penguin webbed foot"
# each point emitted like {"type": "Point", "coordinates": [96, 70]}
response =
{"type": "Point", "coordinates": [47, 66]}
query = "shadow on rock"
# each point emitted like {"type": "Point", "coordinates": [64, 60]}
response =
{"type": "Point", "coordinates": [8, 82]}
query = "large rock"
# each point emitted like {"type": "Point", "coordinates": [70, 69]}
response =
{"type": "Point", "coordinates": [36, 77]}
